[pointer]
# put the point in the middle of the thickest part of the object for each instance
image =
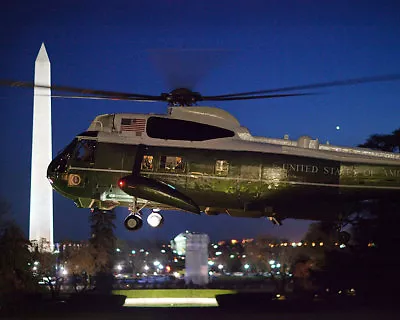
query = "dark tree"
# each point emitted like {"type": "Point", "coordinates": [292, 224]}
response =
{"type": "Point", "coordinates": [15, 258]}
{"type": "Point", "coordinates": [103, 244]}
{"type": "Point", "coordinates": [384, 142]}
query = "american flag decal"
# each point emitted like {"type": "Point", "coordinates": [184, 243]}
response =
{"type": "Point", "coordinates": [136, 125]}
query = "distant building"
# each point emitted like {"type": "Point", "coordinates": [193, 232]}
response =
{"type": "Point", "coordinates": [195, 248]}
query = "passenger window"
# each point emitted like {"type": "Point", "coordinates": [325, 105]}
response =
{"type": "Point", "coordinates": [221, 168]}
{"type": "Point", "coordinates": [85, 151]}
{"type": "Point", "coordinates": [172, 164]}
{"type": "Point", "coordinates": [147, 163]}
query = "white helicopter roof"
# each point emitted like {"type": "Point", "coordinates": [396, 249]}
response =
{"type": "Point", "coordinates": [304, 146]}
{"type": "Point", "coordinates": [208, 115]}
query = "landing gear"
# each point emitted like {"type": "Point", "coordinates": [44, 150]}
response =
{"type": "Point", "coordinates": [342, 236]}
{"type": "Point", "coordinates": [134, 220]}
{"type": "Point", "coordinates": [274, 217]}
{"type": "Point", "coordinates": [155, 219]}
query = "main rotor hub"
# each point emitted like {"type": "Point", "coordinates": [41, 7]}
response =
{"type": "Point", "coordinates": [182, 97]}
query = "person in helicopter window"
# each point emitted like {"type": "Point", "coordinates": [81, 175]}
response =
{"type": "Point", "coordinates": [147, 163]}
{"type": "Point", "coordinates": [179, 164]}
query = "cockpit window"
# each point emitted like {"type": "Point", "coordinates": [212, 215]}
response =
{"type": "Point", "coordinates": [175, 129]}
{"type": "Point", "coordinates": [59, 164]}
{"type": "Point", "coordinates": [85, 151]}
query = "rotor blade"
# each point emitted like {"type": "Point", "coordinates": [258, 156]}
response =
{"type": "Point", "coordinates": [104, 98]}
{"type": "Point", "coordinates": [184, 68]}
{"type": "Point", "coordinates": [348, 82]}
{"type": "Point", "coordinates": [269, 96]}
{"type": "Point", "coordinates": [25, 84]}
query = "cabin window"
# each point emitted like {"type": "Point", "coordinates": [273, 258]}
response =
{"type": "Point", "coordinates": [175, 129]}
{"type": "Point", "coordinates": [172, 164]}
{"type": "Point", "coordinates": [147, 163]}
{"type": "Point", "coordinates": [85, 151]}
{"type": "Point", "coordinates": [221, 168]}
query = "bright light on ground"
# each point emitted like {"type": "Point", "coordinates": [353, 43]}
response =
{"type": "Point", "coordinates": [212, 302]}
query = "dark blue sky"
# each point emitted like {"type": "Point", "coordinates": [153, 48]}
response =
{"type": "Point", "coordinates": [264, 44]}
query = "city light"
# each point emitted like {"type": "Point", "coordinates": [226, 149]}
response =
{"type": "Point", "coordinates": [119, 267]}
{"type": "Point", "coordinates": [246, 266]}
{"type": "Point", "coordinates": [65, 272]}
{"type": "Point", "coordinates": [156, 263]}
{"type": "Point", "coordinates": [231, 256]}
{"type": "Point", "coordinates": [133, 251]}
{"type": "Point", "coordinates": [278, 265]}
{"type": "Point", "coordinates": [210, 263]}
{"type": "Point", "coordinates": [163, 251]}
{"type": "Point", "coordinates": [321, 244]}
{"type": "Point", "coordinates": [36, 263]}
{"type": "Point", "coordinates": [118, 250]}
{"type": "Point", "coordinates": [220, 267]}
{"type": "Point", "coordinates": [218, 253]}
{"type": "Point", "coordinates": [271, 261]}
{"type": "Point", "coordinates": [146, 267]}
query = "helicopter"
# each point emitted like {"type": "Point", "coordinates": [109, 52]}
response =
{"type": "Point", "coordinates": [200, 159]}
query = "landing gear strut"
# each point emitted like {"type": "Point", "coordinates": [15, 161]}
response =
{"type": "Point", "coordinates": [343, 236]}
{"type": "Point", "coordinates": [134, 220]}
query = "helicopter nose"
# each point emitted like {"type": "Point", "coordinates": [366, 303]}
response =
{"type": "Point", "coordinates": [50, 172]}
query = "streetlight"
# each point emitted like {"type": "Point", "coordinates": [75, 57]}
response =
{"type": "Point", "coordinates": [246, 266]}
{"type": "Point", "coordinates": [220, 266]}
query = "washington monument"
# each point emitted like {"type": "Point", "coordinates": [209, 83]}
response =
{"type": "Point", "coordinates": [41, 205]}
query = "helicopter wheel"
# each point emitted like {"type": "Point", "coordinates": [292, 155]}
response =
{"type": "Point", "coordinates": [133, 222]}
{"type": "Point", "coordinates": [155, 219]}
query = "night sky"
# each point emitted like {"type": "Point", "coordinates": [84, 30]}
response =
{"type": "Point", "coordinates": [254, 45]}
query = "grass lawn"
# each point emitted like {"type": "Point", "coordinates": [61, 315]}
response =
{"type": "Point", "coordinates": [172, 293]}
